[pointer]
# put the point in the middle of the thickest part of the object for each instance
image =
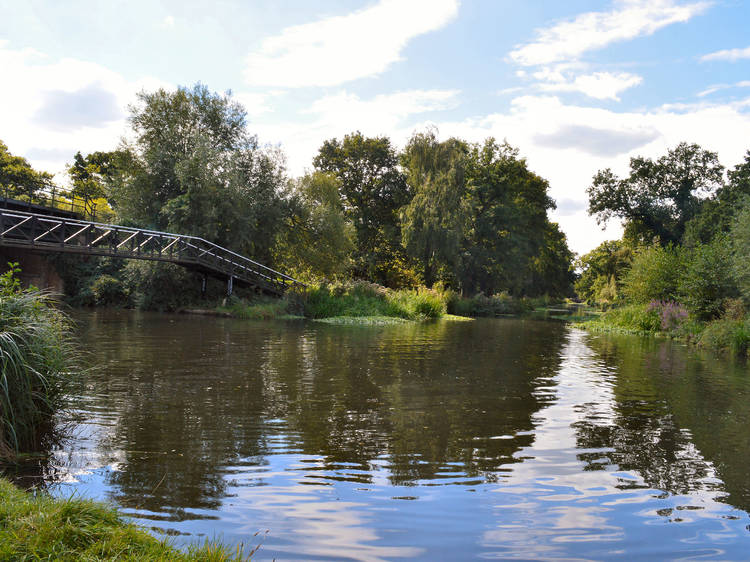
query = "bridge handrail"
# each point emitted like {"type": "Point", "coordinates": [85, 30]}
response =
{"type": "Point", "coordinates": [200, 244]}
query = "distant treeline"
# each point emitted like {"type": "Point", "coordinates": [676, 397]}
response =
{"type": "Point", "coordinates": [470, 217]}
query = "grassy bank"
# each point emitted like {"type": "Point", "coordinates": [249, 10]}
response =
{"type": "Point", "coordinates": [37, 362]}
{"type": "Point", "coordinates": [38, 527]}
{"type": "Point", "coordinates": [728, 333]}
{"type": "Point", "coordinates": [360, 302]}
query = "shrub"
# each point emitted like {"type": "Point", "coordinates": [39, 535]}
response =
{"type": "Point", "coordinates": [654, 275]}
{"type": "Point", "coordinates": [726, 334]}
{"type": "Point", "coordinates": [634, 317]}
{"type": "Point", "coordinates": [37, 360]}
{"type": "Point", "coordinates": [671, 314]}
{"type": "Point", "coordinates": [160, 286]}
{"type": "Point", "coordinates": [107, 290]}
{"type": "Point", "coordinates": [707, 280]}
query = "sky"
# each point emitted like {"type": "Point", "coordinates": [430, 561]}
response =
{"type": "Point", "coordinates": [576, 86]}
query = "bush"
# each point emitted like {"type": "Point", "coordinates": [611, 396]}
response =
{"type": "Point", "coordinates": [653, 276]}
{"type": "Point", "coordinates": [496, 305]}
{"type": "Point", "coordinates": [160, 286]}
{"type": "Point", "coordinates": [707, 280]}
{"type": "Point", "coordinates": [37, 360]}
{"type": "Point", "coordinates": [726, 334]}
{"type": "Point", "coordinates": [634, 317]}
{"type": "Point", "coordinates": [108, 291]}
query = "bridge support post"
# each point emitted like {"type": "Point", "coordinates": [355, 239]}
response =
{"type": "Point", "coordinates": [229, 286]}
{"type": "Point", "coordinates": [203, 286]}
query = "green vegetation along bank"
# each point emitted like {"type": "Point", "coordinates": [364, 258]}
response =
{"type": "Point", "coordinates": [38, 527]}
{"type": "Point", "coordinates": [682, 267]}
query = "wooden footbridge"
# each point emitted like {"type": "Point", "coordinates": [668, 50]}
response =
{"type": "Point", "coordinates": [48, 232]}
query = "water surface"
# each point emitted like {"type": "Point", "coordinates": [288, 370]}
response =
{"type": "Point", "coordinates": [486, 439]}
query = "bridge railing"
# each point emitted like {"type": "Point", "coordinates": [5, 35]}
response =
{"type": "Point", "coordinates": [49, 196]}
{"type": "Point", "coordinates": [56, 234]}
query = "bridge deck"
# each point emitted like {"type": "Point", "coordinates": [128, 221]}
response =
{"type": "Point", "coordinates": [52, 234]}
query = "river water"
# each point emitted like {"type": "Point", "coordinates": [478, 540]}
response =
{"type": "Point", "coordinates": [439, 441]}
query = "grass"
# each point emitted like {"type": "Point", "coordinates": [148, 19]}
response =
{"type": "Point", "coordinates": [37, 358]}
{"type": "Point", "coordinates": [38, 527]}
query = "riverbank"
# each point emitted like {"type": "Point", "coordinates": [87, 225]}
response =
{"type": "Point", "coordinates": [728, 334]}
{"type": "Point", "coordinates": [361, 302]}
{"type": "Point", "coordinates": [39, 527]}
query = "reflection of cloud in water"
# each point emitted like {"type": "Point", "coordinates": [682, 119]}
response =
{"type": "Point", "coordinates": [553, 500]}
{"type": "Point", "coordinates": [311, 517]}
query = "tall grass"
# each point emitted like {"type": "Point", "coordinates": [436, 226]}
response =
{"type": "Point", "coordinates": [37, 364]}
{"type": "Point", "coordinates": [359, 298]}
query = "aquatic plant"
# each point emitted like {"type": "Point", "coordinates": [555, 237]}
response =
{"type": "Point", "coordinates": [37, 362]}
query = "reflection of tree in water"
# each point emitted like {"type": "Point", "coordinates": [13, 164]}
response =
{"type": "Point", "coordinates": [191, 398]}
{"type": "Point", "coordinates": [679, 419]}
{"type": "Point", "coordinates": [418, 397]}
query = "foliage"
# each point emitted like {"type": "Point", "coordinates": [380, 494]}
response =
{"type": "Point", "coordinates": [601, 272]}
{"type": "Point", "coordinates": [706, 280]}
{"type": "Point", "coordinates": [263, 308]}
{"type": "Point", "coordinates": [194, 169]}
{"type": "Point", "coordinates": [479, 305]}
{"type": "Point", "coordinates": [639, 318]}
{"type": "Point", "coordinates": [726, 334]}
{"type": "Point", "coordinates": [360, 298]}
{"type": "Point", "coordinates": [435, 221]}
{"type": "Point", "coordinates": [372, 190]}
{"type": "Point", "coordinates": [160, 286]}
{"type": "Point", "coordinates": [654, 275]}
{"type": "Point", "coordinates": [318, 238]}
{"type": "Point", "coordinates": [37, 364]}
{"type": "Point", "coordinates": [38, 527]}
{"type": "Point", "coordinates": [109, 291]}
{"type": "Point", "coordinates": [740, 236]}
{"type": "Point", "coordinates": [17, 175]}
{"type": "Point", "coordinates": [659, 197]}
{"type": "Point", "coordinates": [509, 231]}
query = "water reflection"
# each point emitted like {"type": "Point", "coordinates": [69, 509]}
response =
{"type": "Point", "coordinates": [446, 440]}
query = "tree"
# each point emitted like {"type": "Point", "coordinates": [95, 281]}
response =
{"type": "Point", "coordinates": [602, 270]}
{"type": "Point", "coordinates": [659, 197]}
{"type": "Point", "coordinates": [193, 168]}
{"type": "Point", "coordinates": [508, 221]}
{"type": "Point", "coordinates": [372, 191]}
{"type": "Point", "coordinates": [17, 177]}
{"type": "Point", "coordinates": [318, 238]}
{"type": "Point", "coordinates": [717, 214]}
{"type": "Point", "coordinates": [434, 222]}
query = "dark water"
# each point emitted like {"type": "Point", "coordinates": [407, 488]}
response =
{"type": "Point", "coordinates": [444, 441]}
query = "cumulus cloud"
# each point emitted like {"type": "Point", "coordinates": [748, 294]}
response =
{"type": "Point", "coordinates": [599, 85]}
{"type": "Point", "coordinates": [599, 142]}
{"type": "Point", "coordinates": [85, 110]}
{"type": "Point", "coordinates": [731, 55]}
{"type": "Point", "coordinates": [344, 48]}
{"type": "Point", "coordinates": [569, 39]}
{"type": "Point", "coordinates": [90, 106]}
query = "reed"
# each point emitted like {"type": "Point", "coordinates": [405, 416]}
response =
{"type": "Point", "coordinates": [37, 365]}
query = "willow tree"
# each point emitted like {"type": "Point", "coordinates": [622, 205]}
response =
{"type": "Point", "coordinates": [434, 222]}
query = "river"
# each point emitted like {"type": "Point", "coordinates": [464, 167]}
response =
{"type": "Point", "coordinates": [440, 441]}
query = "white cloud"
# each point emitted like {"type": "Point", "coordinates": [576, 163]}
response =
{"type": "Point", "coordinates": [599, 85]}
{"type": "Point", "coordinates": [344, 48]}
{"type": "Point", "coordinates": [341, 113]}
{"type": "Point", "coordinates": [57, 107]}
{"type": "Point", "coordinates": [168, 22]}
{"type": "Point", "coordinates": [568, 40]}
{"type": "Point", "coordinates": [731, 55]}
{"type": "Point", "coordinates": [719, 87]}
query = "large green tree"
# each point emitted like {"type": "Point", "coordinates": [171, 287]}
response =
{"type": "Point", "coordinates": [193, 168]}
{"type": "Point", "coordinates": [509, 227]}
{"type": "Point", "coordinates": [372, 189]}
{"type": "Point", "coordinates": [435, 221]}
{"type": "Point", "coordinates": [318, 238]}
{"type": "Point", "coordinates": [660, 196]}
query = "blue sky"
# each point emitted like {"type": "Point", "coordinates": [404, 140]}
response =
{"type": "Point", "coordinates": [577, 85]}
